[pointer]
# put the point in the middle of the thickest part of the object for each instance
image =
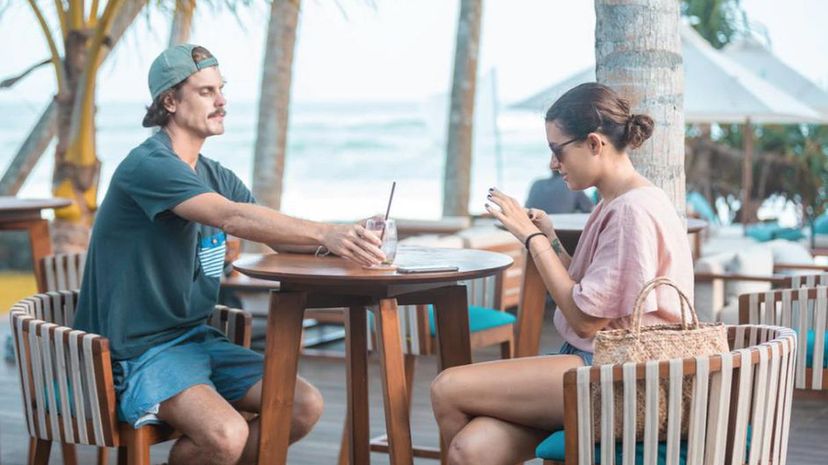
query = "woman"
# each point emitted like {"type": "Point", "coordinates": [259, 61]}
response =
{"type": "Point", "coordinates": [497, 412]}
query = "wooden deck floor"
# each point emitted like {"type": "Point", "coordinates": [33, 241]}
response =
{"type": "Point", "coordinates": [808, 444]}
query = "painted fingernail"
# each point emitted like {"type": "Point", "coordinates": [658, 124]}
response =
{"type": "Point", "coordinates": [489, 196]}
{"type": "Point", "coordinates": [491, 189]}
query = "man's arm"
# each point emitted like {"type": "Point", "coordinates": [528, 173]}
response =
{"type": "Point", "coordinates": [268, 226]}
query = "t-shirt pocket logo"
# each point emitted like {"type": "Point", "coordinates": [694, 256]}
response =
{"type": "Point", "coordinates": [211, 254]}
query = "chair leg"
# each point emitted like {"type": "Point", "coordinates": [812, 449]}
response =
{"type": "Point", "coordinates": [103, 456]}
{"type": "Point", "coordinates": [344, 443]}
{"type": "Point", "coordinates": [39, 451]}
{"type": "Point", "coordinates": [138, 452]}
{"type": "Point", "coordinates": [70, 457]}
{"type": "Point", "coordinates": [410, 365]}
{"type": "Point", "coordinates": [507, 349]}
{"type": "Point", "coordinates": [122, 456]}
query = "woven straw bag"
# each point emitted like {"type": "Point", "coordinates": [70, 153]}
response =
{"type": "Point", "coordinates": [656, 342]}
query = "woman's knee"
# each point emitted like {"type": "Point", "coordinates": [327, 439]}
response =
{"type": "Point", "coordinates": [308, 407]}
{"type": "Point", "coordinates": [468, 449]}
{"type": "Point", "coordinates": [444, 389]}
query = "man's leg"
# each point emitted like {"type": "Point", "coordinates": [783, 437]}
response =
{"type": "Point", "coordinates": [214, 433]}
{"type": "Point", "coordinates": [307, 408]}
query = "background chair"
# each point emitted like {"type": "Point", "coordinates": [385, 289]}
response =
{"type": "Point", "coordinates": [805, 309]}
{"type": "Point", "coordinates": [66, 380]}
{"type": "Point", "coordinates": [740, 409]}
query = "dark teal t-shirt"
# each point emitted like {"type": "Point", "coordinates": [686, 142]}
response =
{"type": "Point", "coordinates": [151, 275]}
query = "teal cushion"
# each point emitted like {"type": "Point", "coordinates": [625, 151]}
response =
{"type": "Point", "coordinates": [552, 448]}
{"type": "Point", "coordinates": [764, 232]}
{"type": "Point", "coordinates": [810, 342]}
{"type": "Point", "coordinates": [480, 318]}
{"type": "Point", "coordinates": [821, 224]}
{"type": "Point", "coordinates": [701, 206]}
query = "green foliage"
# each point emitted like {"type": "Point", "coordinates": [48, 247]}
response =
{"type": "Point", "coordinates": [718, 21]}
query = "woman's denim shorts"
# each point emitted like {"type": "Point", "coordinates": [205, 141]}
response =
{"type": "Point", "coordinates": [569, 349]}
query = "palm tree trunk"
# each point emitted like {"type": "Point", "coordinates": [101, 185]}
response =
{"type": "Point", "coordinates": [182, 23]}
{"type": "Point", "coordinates": [44, 131]}
{"type": "Point", "coordinates": [77, 168]}
{"type": "Point", "coordinates": [457, 172]}
{"type": "Point", "coordinates": [29, 153]}
{"type": "Point", "coordinates": [274, 103]}
{"type": "Point", "coordinates": [638, 53]}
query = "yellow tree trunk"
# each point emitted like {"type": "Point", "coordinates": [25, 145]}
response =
{"type": "Point", "coordinates": [77, 167]}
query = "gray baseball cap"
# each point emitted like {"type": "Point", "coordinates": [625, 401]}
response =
{"type": "Point", "coordinates": [174, 65]}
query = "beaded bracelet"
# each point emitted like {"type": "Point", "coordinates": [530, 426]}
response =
{"type": "Point", "coordinates": [529, 238]}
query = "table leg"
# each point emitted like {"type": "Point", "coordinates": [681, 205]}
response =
{"type": "Point", "coordinates": [284, 334]}
{"type": "Point", "coordinates": [356, 354]}
{"type": "Point", "coordinates": [394, 391]}
{"type": "Point", "coordinates": [451, 315]}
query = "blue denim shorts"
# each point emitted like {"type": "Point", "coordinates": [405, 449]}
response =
{"type": "Point", "coordinates": [569, 349]}
{"type": "Point", "coordinates": [202, 355]}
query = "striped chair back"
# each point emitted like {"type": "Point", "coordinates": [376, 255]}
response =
{"type": "Point", "coordinates": [65, 374]}
{"type": "Point", "coordinates": [61, 272]}
{"type": "Point", "coordinates": [739, 413]}
{"type": "Point", "coordinates": [809, 280]}
{"type": "Point", "coordinates": [805, 309]}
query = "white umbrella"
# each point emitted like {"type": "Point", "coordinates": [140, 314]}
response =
{"type": "Point", "coordinates": [751, 54]}
{"type": "Point", "coordinates": [717, 89]}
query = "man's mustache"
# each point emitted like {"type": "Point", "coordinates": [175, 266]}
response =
{"type": "Point", "coordinates": [220, 112]}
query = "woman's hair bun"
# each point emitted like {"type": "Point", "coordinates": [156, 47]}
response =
{"type": "Point", "coordinates": [639, 129]}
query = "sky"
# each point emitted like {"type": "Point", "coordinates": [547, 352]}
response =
{"type": "Point", "coordinates": [387, 50]}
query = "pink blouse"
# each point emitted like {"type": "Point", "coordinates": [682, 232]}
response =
{"type": "Point", "coordinates": [625, 243]}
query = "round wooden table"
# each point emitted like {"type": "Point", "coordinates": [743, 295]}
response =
{"type": "Point", "coordinates": [24, 214]}
{"type": "Point", "coordinates": [323, 282]}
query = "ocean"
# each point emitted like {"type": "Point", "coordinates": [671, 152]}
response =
{"type": "Point", "coordinates": [341, 157]}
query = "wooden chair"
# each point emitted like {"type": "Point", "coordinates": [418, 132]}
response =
{"type": "Point", "coordinates": [739, 413]}
{"type": "Point", "coordinates": [66, 380]}
{"type": "Point", "coordinates": [805, 309]}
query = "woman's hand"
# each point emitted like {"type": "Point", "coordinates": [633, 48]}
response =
{"type": "Point", "coordinates": [542, 221]}
{"type": "Point", "coordinates": [513, 216]}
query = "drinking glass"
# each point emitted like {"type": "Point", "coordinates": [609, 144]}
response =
{"type": "Point", "coordinates": [387, 230]}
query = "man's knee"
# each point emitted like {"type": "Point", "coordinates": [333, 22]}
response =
{"type": "Point", "coordinates": [308, 406]}
{"type": "Point", "coordinates": [227, 438]}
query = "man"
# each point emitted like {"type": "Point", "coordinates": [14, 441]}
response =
{"type": "Point", "coordinates": [552, 196]}
{"type": "Point", "coordinates": [153, 268]}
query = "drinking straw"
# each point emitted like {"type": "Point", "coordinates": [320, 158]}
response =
{"type": "Point", "coordinates": [388, 210]}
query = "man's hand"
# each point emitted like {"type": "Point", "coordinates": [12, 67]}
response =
{"type": "Point", "coordinates": [354, 242]}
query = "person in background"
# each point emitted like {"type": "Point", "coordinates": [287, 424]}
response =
{"type": "Point", "coordinates": [553, 196]}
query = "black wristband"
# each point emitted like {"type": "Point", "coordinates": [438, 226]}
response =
{"type": "Point", "coordinates": [529, 238]}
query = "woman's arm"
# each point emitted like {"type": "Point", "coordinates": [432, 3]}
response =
{"type": "Point", "coordinates": [560, 285]}
{"type": "Point", "coordinates": [544, 224]}
{"type": "Point", "coordinates": [548, 260]}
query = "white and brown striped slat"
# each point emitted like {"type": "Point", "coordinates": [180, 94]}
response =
{"type": "Point", "coordinates": [809, 280]}
{"type": "Point", "coordinates": [61, 272]}
{"type": "Point", "coordinates": [806, 310]}
{"type": "Point", "coordinates": [751, 385]}
{"type": "Point", "coordinates": [66, 376]}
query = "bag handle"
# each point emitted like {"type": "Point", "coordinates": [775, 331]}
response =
{"type": "Point", "coordinates": [638, 309]}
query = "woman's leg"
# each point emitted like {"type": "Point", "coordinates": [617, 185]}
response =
{"type": "Point", "coordinates": [489, 441]}
{"type": "Point", "coordinates": [526, 392]}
